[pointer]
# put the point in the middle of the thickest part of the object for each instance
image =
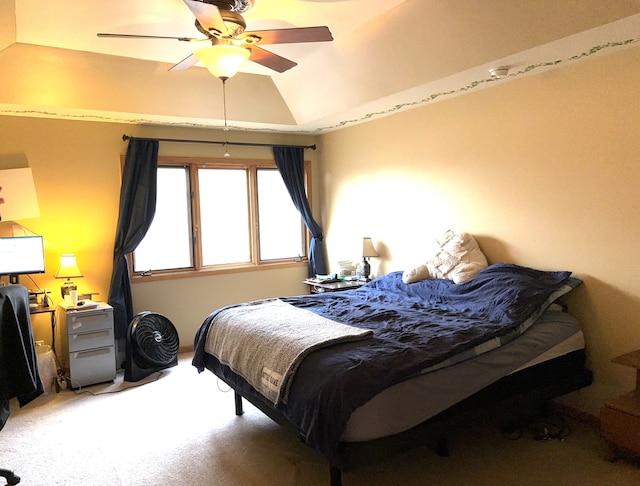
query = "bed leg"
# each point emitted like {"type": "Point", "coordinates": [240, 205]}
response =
{"type": "Point", "coordinates": [238, 398]}
{"type": "Point", "coordinates": [336, 476]}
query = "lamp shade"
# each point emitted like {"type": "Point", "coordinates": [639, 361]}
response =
{"type": "Point", "coordinates": [68, 267]}
{"type": "Point", "coordinates": [18, 194]}
{"type": "Point", "coordinates": [367, 248]}
{"type": "Point", "coordinates": [222, 60]}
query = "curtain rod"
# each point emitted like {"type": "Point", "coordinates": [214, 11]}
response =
{"type": "Point", "coordinates": [244, 144]}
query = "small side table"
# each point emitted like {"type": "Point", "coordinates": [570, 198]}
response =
{"type": "Point", "coordinates": [620, 417]}
{"type": "Point", "coordinates": [316, 287]}
{"type": "Point", "coordinates": [52, 314]}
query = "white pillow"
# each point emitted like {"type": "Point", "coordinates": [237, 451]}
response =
{"type": "Point", "coordinates": [421, 272]}
{"type": "Point", "coordinates": [458, 258]}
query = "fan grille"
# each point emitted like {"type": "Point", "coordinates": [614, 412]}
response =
{"type": "Point", "coordinates": [154, 338]}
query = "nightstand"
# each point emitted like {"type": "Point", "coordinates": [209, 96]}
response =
{"type": "Point", "coordinates": [620, 417]}
{"type": "Point", "coordinates": [87, 344]}
{"type": "Point", "coordinates": [317, 287]}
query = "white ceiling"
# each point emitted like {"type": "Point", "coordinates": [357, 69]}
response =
{"type": "Point", "coordinates": [387, 55]}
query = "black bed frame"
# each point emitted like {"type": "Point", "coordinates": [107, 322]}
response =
{"type": "Point", "coordinates": [533, 386]}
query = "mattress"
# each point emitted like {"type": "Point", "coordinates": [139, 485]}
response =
{"type": "Point", "coordinates": [413, 401]}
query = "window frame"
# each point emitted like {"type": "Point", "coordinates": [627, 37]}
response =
{"type": "Point", "coordinates": [198, 269]}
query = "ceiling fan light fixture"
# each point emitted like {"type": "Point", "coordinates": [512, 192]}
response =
{"type": "Point", "coordinates": [223, 60]}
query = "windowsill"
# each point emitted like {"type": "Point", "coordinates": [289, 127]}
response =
{"type": "Point", "coordinates": [221, 270]}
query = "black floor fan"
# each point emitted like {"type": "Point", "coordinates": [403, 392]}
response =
{"type": "Point", "coordinates": [152, 345]}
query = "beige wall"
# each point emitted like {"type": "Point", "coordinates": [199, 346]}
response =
{"type": "Point", "coordinates": [76, 170]}
{"type": "Point", "coordinates": [543, 170]}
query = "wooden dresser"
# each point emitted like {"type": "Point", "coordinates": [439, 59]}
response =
{"type": "Point", "coordinates": [620, 417]}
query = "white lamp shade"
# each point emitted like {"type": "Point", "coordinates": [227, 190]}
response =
{"type": "Point", "coordinates": [367, 248]}
{"type": "Point", "coordinates": [68, 267]}
{"type": "Point", "coordinates": [19, 195]}
{"type": "Point", "coordinates": [222, 60]}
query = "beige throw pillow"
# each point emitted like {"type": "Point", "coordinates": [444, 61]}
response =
{"type": "Point", "coordinates": [458, 258]}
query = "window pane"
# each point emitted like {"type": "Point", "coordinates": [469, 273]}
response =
{"type": "Point", "coordinates": [281, 230]}
{"type": "Point", "coordinates": [224, 216]}
{"type": "Point", "coordinates": [167, 244]}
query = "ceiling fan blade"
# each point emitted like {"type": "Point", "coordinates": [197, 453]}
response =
{"type": "Point", "coordinates": [186, 63]}
{"type": "Point", "coordinates": [293, 35]}
{"type": "Point", "coordinates": [270, 60]}
{"type": "Point", "coordinates": [208, 15]}
{"type": "Point", "coordinates": [137, 36]}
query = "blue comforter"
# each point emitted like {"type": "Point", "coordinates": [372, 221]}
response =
{"type": "Point", "coordinates": [415, 326]}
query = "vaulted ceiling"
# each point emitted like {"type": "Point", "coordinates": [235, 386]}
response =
{"type": "Point", "coordinates": [386, 56]}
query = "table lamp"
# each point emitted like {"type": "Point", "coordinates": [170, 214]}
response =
{"type": "Point", "coordinates": [368, 251]}
{"type": "Point", "coordinates": [68, 269]}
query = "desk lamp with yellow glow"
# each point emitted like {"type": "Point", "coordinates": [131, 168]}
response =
{"type": "Point", "coordinates": [68, 269]}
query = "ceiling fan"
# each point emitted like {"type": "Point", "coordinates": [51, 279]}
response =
{"type": "Point", "coordinates": [222, 24]}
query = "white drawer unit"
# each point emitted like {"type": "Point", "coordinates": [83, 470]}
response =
{"type": "Point", "coordinates": [87, 344]}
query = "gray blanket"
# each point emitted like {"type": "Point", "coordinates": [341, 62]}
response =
{"type": "Point", "coordinates": [265, 341]}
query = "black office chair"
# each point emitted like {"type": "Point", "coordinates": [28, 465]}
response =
{"type": "Point", "coordinates": [19, 376]}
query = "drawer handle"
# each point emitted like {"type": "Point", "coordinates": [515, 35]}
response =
{"type": "Point", "coordinates": [90, 335]}
{"type": "Point", "coordinates": [93, 352]}
{"type": "Point", "coordinates": [79, 321]}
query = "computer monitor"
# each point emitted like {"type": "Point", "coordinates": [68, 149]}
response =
{"type": "Point", "coordinates": [21, 255]}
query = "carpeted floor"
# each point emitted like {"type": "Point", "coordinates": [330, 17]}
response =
{"type": "Point", "coordinates": [179, 428]}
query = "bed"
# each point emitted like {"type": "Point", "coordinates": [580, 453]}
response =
{"type": "Point", "coordinates": [362, 373]}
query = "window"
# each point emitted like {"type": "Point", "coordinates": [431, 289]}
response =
{"type": "Point", "coordinates": [224, 216]}
{"type": "Point", "coordinates": [216, 214]}
{"type": "Point", "coordinates": [167, 244]}
{"type": "Point", "coordinates": [280, 232]}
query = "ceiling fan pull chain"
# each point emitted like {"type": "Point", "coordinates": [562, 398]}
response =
{"type": "Point", "coordinates": [224, 108]}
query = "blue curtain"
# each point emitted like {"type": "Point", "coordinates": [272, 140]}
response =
{"type": "Point", "coordinates": [137, 209]}
{"type": "Point", "coordinates": [290, 163]}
